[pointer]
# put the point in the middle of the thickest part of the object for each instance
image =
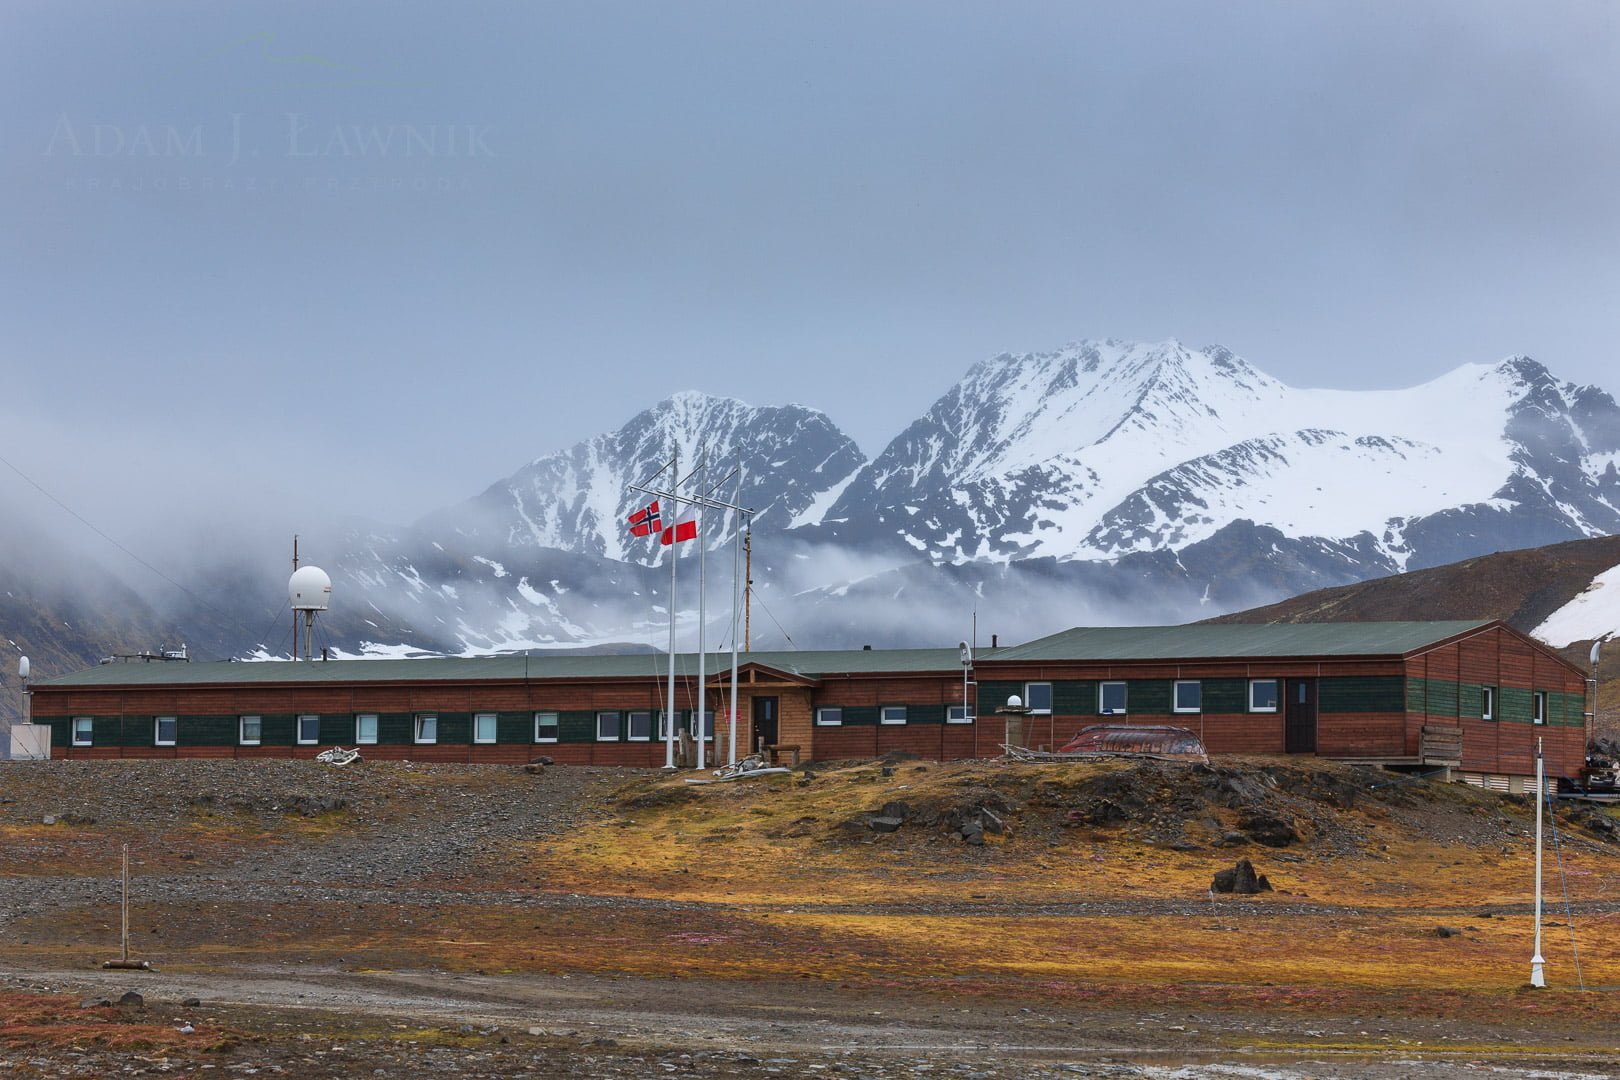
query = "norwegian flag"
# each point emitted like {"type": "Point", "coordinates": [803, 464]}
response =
{"type": "Point", "coordinates": [645, 522]}
{"type": "Point", "coordinates": [682, 530]}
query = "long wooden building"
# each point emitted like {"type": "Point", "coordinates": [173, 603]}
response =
{"type": "Point", "coordinates": [1474, 696]}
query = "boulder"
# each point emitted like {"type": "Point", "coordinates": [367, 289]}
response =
{"type": "Point", "coordinates": [1241, 880]}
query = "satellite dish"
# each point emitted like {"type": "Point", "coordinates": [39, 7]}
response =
{"type": "Point", "coordinates": [22, 667]}
{"type": "Point", "coordinates": [309, 589]}
{"type": "Point", "coordinates": [1592, 657]}
{"type": "Point", "coordinates": [967, 654]}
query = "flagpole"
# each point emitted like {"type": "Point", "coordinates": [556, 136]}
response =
{"type": "Point", "coordinates": [674, 556]}
{"type": "Point", "coordinates": [1538, 974]}
{"type": "Point", "coordinates": [703, 643]}
{"type": "Point", "coordinates": [736, 580]}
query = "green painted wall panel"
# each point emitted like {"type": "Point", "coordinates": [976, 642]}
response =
{"type": "Point", "coordinates": [1225, 695]}
{"type": "Point", "coordinates": [925, 714]}
{"type": "Point", "coordinates": [207, 731]}
{"type": "Point", "coordinates": [514, 727]}
{"type": "Point", "coordinates": [1148, 697]}
{"type": "Point", "coordinates": [1361, 694]}
{"type": "Point", "coordinates": [576, 726]}
{"type": "Point", "coordinates": [1075, 697]}
{"type": "Point", "coordinates": [1513, 705]}
{"type": "Point", "coordinates": [993, 695]}
{"type": "Point", "coordinates": [860, 715]}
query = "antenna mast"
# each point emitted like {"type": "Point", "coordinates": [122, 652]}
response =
{"type": "Point", "coordinates": [295, 613]}
{"type": "Point", "coordinates": [748, 586]}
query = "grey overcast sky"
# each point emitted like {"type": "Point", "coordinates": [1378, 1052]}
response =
{"type": "Point", "coordinates": [375, 256]}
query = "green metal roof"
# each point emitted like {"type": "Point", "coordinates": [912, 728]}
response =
{"type": "Point", "coordinates": [808, 663]}
{"type": "Point", "coordinates": [1238, 640]}
{"type": "Point", "coordinates": [1085, 643]}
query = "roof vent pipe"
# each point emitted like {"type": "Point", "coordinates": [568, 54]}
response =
{"type": "Point", "coordinates": [866, 648]}
{"type": "Point", "coordinates": [992, 641]}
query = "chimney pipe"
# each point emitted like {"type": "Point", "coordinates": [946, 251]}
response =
{"type": "Point", "coordinates": [992, 641]}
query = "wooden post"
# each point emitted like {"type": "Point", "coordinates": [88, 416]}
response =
{"type": "Point", "coordinates": [123, 952]}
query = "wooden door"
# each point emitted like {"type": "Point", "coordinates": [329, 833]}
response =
{"type": "Point", "coordinates": [1299, 733]}
{"type": "Point", "coordinates": [766, 711]}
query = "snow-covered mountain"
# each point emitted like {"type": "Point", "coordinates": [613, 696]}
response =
{"type": "Point", "coordinates": [1110, 448]}
{"type": "Point", "coordinates": [794, 463]}
{"type": "Point", "coordinates": [1105, 482]}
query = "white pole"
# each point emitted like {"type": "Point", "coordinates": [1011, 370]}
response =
{"type": "Point", "coordinates": [736, 584]}
{"type": "Point", "coordinates": [1538, 975]}
{"type": "Point", "coordinates": [674, 553]}
{"type": "Point", "coordinates": [703, 589]}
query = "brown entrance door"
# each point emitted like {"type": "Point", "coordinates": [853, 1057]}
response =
{"type": "Point", "coordinates": [1299, 734]}
{"type": "Point", "coordinates": [765, 711]}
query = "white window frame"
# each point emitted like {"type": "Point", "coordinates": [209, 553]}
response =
{"type": "Point", "coordinates": [1276, 697]}
{"type": "Point", "coordinates": [1487, 703]}
{"type": "Point", "coordinates": [555, 724]}
{"type": "Point", "coordinates": [494, 728]}
{"type": "Point", "coordinates": [835, 712]}
{"type": "Point", "coordinates": [89, 724]}
{"type": "Point", "coordinates": [241, 730]}
{"type": "Point", "coordinates": [1175, 695]}
{"type": "Point", "coordinates": [629, 725]}
{"type": "Point", "coordinates": [359, 728]}
{"type": "Point", "coordinates": [1033, 711]}
{"type": "Point", "coordinates": [617, 736]}
{"type": "Point", "coordinates": [298, 729]}
{"type": "Point", "coordinates": [885, 712]}
{"type": "Point", "coordinates": [1102, 691]}
{"type": "Point", "coordinates": [1538, 706]}
{"type": "Point", "coordinates": [425, 728]}
{"type": "Point", "coordinates": [157, 728]}
{"type": "Point", "coordinates": [958, 714]}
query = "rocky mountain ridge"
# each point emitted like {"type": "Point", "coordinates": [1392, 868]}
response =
{"type": "Point", "coordinates": [1104, 482]}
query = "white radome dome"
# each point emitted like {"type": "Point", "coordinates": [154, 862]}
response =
{"type": "Point", "coordinates": [309, 589]}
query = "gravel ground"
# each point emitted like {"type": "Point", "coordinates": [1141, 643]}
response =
{"type": "Point", "coordinates": [306, 1021]}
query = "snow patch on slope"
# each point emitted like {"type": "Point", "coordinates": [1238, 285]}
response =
{"type": "Point", "coordinates": [1592, 614]}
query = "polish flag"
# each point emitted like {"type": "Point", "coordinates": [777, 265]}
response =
{"type": "Point", "coordinates": [682, 530]}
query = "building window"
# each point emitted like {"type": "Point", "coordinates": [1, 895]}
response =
{"type": "Point", "coordinates": [1487, 703]}
{"type": "Point", "coordinates": [1189, 696]}
{"type": "Point", "coordinates": [365, 729]}
{"type": "Point", "coordinates": [1038, 697]}
{"type": "Point", "coordinates": [1538, 706]}
{"type": "Point", "coordinates": [1111, 698]}
{"type": "Point", "coordinates": [545, 727]}
{"type": "Point", "coordinates": [829, 717]}
{"type": "Point", "coordinates": [957, 714]}
{"type": "Point", "coordinates": [663, 726]}
{"type": "Point", "coordinates": [427, 728]}
{"type": "Point", "coordinates": [1262, 695]}
{"type": "Point", "coordinates": [708, 725]}
{"type": "Point", "coordinates": [165, 730]}
{"type": "Point", "coordinates": [892, 714]}
{"type": "Point", "coordinates": [608, 725]}
{"type": "Point", "coordinates": [483, 727]}
{"type": "Point", "coordinates": [309, 729]}
{"type": "Point", "coordinates": [83, 731]}
{"type": "Point", "coordinates": [249, 730]}
{"type": "Point", "coordinates": [640, 726]}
